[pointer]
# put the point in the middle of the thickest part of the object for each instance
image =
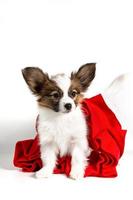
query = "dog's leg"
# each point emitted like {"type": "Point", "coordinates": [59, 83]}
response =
{"type": "Point", "coordinates": [78, 163]}
{"type": "Point", "coordinates": [48, 156]}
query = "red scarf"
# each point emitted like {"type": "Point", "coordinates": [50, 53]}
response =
{"type": "Point", "coordinates": [106, 138]}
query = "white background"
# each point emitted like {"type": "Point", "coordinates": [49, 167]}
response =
{"type": "Point", "coordinates": [59, 36]}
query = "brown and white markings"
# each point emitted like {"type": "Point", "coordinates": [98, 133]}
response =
{"type": "Point", "coordinates": [62, 126]}
{"type": "Point", "coordinates": [60, 92]}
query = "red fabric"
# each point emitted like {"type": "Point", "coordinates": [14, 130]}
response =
{"type": "Point", "coordinates": [105, 137]}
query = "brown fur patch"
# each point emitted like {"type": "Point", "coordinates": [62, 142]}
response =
{"type": "Point", "coordinates": [81, 80]}
{"type": "Point", "coordinates": [75, 86]}
{"type": "Point", "coordinates": [84, 76]}
{"type": "Point", "coordinates": [42, 87]}
{"type": "Point", "coordinates": [78, 99]}
{"type": "Point", "coordinates": [35, 78]}
{"type": "Point", "coordinates": [47, 99]}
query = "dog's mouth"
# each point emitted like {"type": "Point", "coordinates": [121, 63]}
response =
{"type": "Point", "coordinates": [56, 109]}
{"type": "Point", "coordinates": [59, 111]}
{"type": "Point", "coordinates": [67, 111]}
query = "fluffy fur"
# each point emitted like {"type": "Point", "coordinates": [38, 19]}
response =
{"type": "Point", "coordinates": [119, 97]}
{"type": "Point", "coordinates": [62, 127]}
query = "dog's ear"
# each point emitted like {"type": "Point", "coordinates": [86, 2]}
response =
{"type": "Point", "coordinates": [84, 75]}
{"type": "Point", "coordinates": [35, 78]}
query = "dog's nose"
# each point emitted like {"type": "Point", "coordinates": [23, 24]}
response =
{"type": "Point", "coordinates": [68, 106]}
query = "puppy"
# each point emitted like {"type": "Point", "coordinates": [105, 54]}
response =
{"type": "Point", "coordinates": [62, 126]}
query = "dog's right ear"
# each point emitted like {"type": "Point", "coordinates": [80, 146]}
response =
{"type": "Point", "coordinates": [35, 78]}
{"type": "Point", "coordinates": [84, 75]}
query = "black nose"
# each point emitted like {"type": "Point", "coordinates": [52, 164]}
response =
{"type": "Point", "coordinates": [68, 106]}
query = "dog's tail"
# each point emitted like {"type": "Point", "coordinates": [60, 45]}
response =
{"type": "Point", "coordinates": [119, 97]}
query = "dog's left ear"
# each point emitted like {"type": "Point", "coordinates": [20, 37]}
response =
{"type": "Point", "coordinates": [84, 75]}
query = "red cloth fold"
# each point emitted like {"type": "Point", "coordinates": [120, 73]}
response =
{"type": "Point", "coordinates": [106, 138]}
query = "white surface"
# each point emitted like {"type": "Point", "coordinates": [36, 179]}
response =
{"type": "Point", "coordinates": [23, 186]}
{"type": "Point", "coordinates": [59, 36]}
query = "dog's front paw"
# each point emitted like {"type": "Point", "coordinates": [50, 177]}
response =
{"type": "Point", "coordinates": [43, 173]}
{"type": "Point", "coordinates": [77, 173]}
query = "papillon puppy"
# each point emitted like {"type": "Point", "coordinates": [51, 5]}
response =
{"type": "Point", "coordinates": [62, 127]}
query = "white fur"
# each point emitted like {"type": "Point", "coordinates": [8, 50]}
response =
{"type": "Point", "coordinates": [64, 83]}
{"type": "Point", "coordinates": [119, 97]}
{"type": "Point", "coordinates": [63, 133]}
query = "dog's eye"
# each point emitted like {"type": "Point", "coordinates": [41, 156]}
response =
{"type": "Point", "coordinates": [55, 95]}
{"type": "Point", "coordinates": [74, 93]}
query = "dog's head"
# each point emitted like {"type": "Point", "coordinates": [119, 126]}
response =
{"type": "Point", "coordinates": [60, 92]}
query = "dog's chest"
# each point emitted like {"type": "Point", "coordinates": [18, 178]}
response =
{"type": "Point", "coordinates": [63, 130]}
